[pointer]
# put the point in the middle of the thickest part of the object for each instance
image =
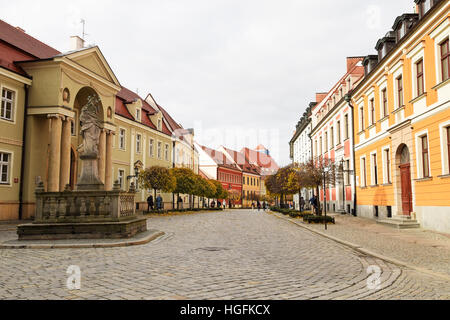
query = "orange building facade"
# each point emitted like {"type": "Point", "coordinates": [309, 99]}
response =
{"type": "Point", "coordinates": [402, 123]}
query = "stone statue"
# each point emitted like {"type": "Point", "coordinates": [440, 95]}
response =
{"type": "Point", "coordinates": [90, 132]}
{"type": "Point", "coordinates": [90, 127]}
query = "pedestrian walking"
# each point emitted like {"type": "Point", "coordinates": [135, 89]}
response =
{"type": "Point", "coordinates": [159, 202]}
{"type": "Point", "coordinates": [313, 202]}
{"type": "Point", "coordinates": [258, 204]}
{"type": "Point", "coordinates": [150, 203]}
{"type": "Point", "coordinates": [302, 204]}
{"type": "Point", "coordinates": [180, 202]}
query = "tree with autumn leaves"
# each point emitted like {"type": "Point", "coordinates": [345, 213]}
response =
{"type": "Point", "coordinates": [291, 179]}
{"type": "Point", "coordinates": [181, 181]}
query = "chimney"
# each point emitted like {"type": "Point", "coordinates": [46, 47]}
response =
{"type": "Point", "coordinates": [76, 43]}
{"type": "Point", "coordinates": [352, 61]}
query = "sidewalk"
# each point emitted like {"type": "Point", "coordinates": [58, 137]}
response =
{"type": "Point", "coordinates": [416, 247]}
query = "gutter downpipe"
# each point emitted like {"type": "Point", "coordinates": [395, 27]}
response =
{"type": "Point", "coordinates": [22, 161]}
{"type": "Point", "coordinates": [348, 100]}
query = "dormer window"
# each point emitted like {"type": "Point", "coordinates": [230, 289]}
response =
{"type": "Point", "coordinates": [138, 114]}
{"type": "Point", "coordinates": [159, 124]}
{"type": "Point", "coordinates": [424, 7]}
{"type": "Point", "coordinates": [400, 31]}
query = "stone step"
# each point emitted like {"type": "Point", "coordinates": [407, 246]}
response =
{"type": "Point", "coordinates": [399, 223]}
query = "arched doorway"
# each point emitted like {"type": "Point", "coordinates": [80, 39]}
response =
{"type": "Point", "coordinates": [403, 159]}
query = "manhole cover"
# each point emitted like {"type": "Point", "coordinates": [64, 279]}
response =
{"type": "Point", "coordinates": [213, 249]}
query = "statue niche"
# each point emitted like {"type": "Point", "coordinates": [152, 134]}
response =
{"type": "Point", "coordinates": [90, 128]}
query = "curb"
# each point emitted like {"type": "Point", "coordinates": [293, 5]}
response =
{"type": "Point", "coordinates": [363, 250]}
{"type": "Point", "coordinates": [152, 236]}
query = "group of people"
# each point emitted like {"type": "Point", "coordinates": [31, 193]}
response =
{"type": "Point", "coordinates": [151, 204]}
{"type": "Point", "coordinates": [259, 205]}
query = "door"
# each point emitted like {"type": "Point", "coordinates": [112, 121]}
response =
{"type": "Point", "coordinates": [405, 174]}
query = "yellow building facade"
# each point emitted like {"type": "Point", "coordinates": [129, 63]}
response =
{"type": "Point", "coordinates": [43, 92]}
{"type": "Point", "coordinates": [402, 123]}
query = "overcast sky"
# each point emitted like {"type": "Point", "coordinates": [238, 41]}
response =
{"type": "Point", "coordinates": [238, 72]}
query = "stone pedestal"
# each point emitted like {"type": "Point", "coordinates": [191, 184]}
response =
{"type": "Point", "coordinates": [89, 179]}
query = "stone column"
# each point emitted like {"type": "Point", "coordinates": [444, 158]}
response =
{"type": "Point", "coordinates": [108, 160]}
{"type": "Point", "coordinates": [64, 175]}
{"type": "Point", "coordinates": [102, 155]}
{"type": "Point", "coordinates": [55, 153]}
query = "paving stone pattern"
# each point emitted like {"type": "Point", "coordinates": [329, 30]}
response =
{"type": "Point", "coordinates": [221, 255]}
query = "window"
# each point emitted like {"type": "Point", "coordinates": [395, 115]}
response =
{"type": "Point", "coordinates": [372, 111]}
{"type": "Point", "coordinates": [384, 106]}
{"type": "Point", "coordinates": [5, 165]}
{"type": "Point", "coordinates": [361, 118]}
{"type": "Point", "coordinates": [321, 146]}
{"type": "Point", "coordinates": [375, 169]}
{"type": "Point", "coordinates": [248, 181]}
{"type": "Point", "coordinates": [159, 149]}
{"type": "Point", "coordinates": [138, 143]}
{"type": "Point", "coordinates": [338, 131]}
{"type": "Point", "coordinates": [388, 165]}
{"type": "Point", "coordinates": [138, 114]}
{"type": "Point", "coordinates": [159, 125]}
{"type": "Point", "coordinates": [122, 139]}
{"type": "Point", "coordinates": [425, 163]}
{"type": "Point", "coordinates": [243, 180]}
{"type": "Point", "coordinates": [315, 147]}
{"type": "Point", "coordinates": [363, 172]}
{"type": "Point", "coordinates": [332, 137]}
{"type": "Point", "coordinates": [400, 91]}
{"type": "Point", "coordinates": [6, 111]}
{"type": "Point", "coordinates": [120, 178]}
{"type": "Point", "coordinates": [346, 126]}
{"type": "Point", "coordinates": [419, 78]}
{"type": "Point", "coordinates": [445, 60]}
{"type": "Point", "coordinates": [166, 152]}
{"type": "Point", "coordinates": [347, 173]}
{"type": "Point", "coordinates": [150, 147]}
{"type": "Point", "coordinates": [326, 141]}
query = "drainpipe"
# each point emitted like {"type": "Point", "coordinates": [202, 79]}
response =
{"type": "Point", "coordinates": [22, 161]}
{"type": "Point", "coordinates": [349, 101]}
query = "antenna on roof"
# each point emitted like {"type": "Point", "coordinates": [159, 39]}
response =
{"type": "Point", "coordinates": [83, 22]}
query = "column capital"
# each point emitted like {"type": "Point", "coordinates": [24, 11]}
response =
{"type": "Point", "coordinates": [55, 116]}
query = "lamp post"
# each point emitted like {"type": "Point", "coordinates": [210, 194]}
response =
{"type": "Point", "coordinates": [325, 172]}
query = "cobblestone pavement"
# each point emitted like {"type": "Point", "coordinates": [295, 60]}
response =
{"type": "Point", "coordinates": [417, 247]}
{"type": "Point", "coordinates": [222, 255]}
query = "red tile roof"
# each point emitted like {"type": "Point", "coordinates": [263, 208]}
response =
{"type": "Point", "coordinates": [242, 162]}
{"type": "Point", "coordinates": [25, 42]}
{"type": "Point", "coordinates": [262, 160]}
{"type": "Point", "coordinates": [219, 158]}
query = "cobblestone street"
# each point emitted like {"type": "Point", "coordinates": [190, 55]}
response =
{"type": "Point", "coordinates": [226, 255]}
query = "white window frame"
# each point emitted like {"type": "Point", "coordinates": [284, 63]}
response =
{"type": "Point", "coordinates": [419, 161]}
{"type": "Point", "coordinates": [369, 110]}
{"type": "Point", "coordinates": [121, 177]}
{"type": "Point", "coordinates": [151, 146]}
{"type": "Point", "coordinates": [138, 143]}
{"type": "Point", "coordinates": [363, 171]}
{"type": "Point", "coordinates": [372, 169]}
{"type": "Point", "coordinates": [159, 150]}
{"type": "Point", "coordinates": [124, 146]}
{"type": "Point", "coordinates": [417, 54]}
{"type": "Point", "coordinates": [380, 93]}
{"type": "Point", "coordinates": [384, 162]}
{"type": "Point", "coordinates": [441, 33]}
{"type": "Point", "coordinates": [166, 152]}
{"type": "Point", "coordinates": [396, 75]}
{"type": "Point", "coordinates": [361, 118]}
{"type": "Point", "coordinates": [444, 147]}
{"type": "Point", "coordinates": [159, 124]}
{"type": "Point", "coordinates": [9, 166]}
{"type": "Point", "coordinates": [138, 114]}
{"type": "Point", "coordinates": [14, 104]}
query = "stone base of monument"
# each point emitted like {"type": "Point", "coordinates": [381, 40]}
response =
{"type": "Point", "coordinates": [82, 230]}
{"type": "Point", "coordinates": [84, 214]}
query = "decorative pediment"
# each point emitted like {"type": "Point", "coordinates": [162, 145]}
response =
{"type": "Point", "coordinates": [92, 60]}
